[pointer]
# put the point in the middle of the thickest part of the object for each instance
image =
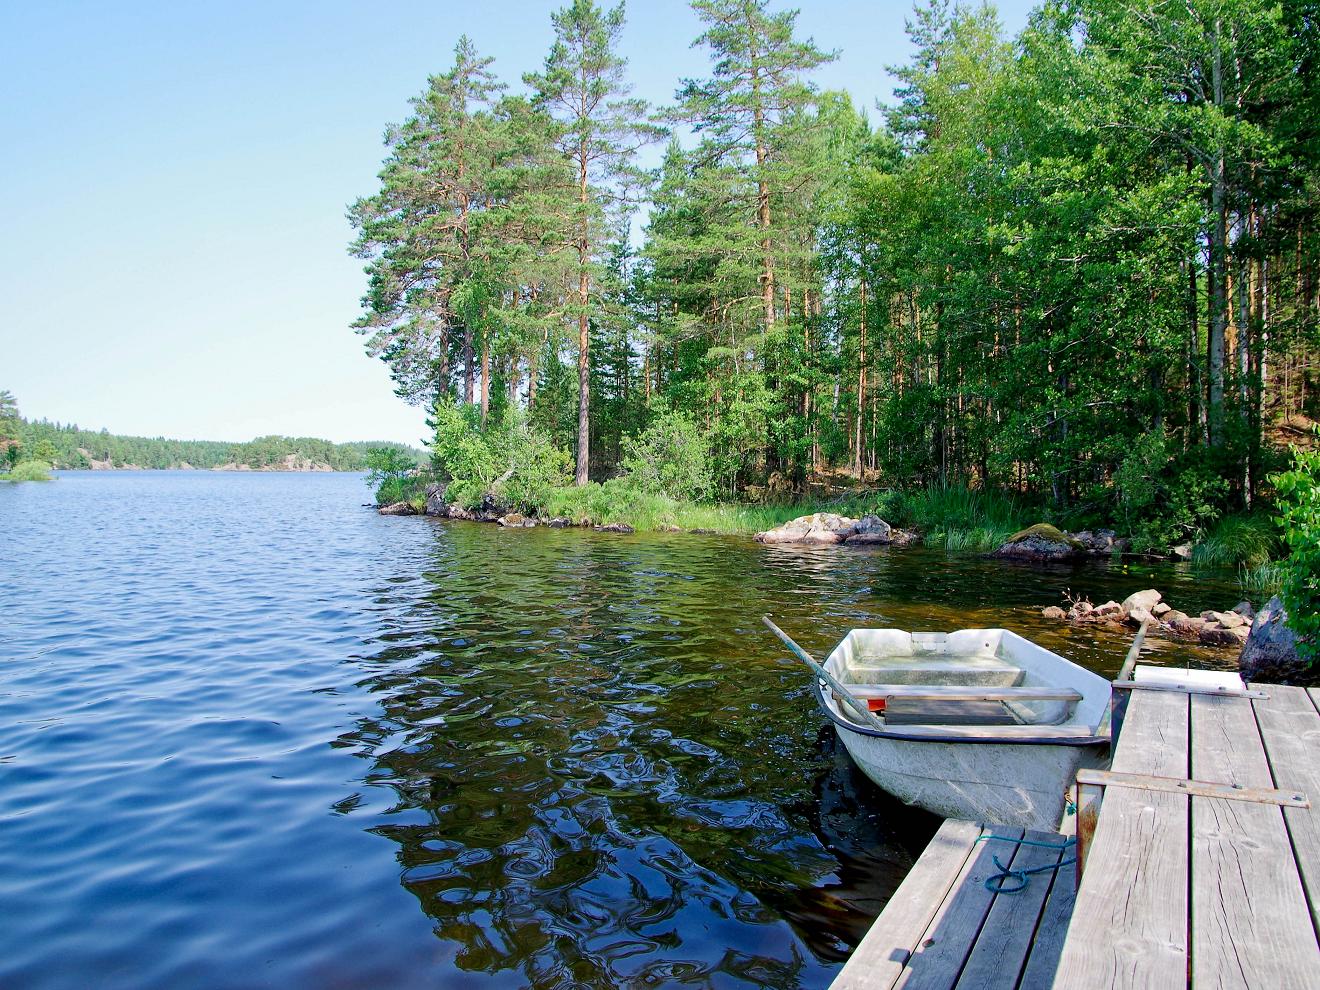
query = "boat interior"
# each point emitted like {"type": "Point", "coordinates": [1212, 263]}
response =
{"type": "Point", "coordinates": [971, 677]}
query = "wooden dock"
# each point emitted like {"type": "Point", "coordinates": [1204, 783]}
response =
{"type": "Point", "coordinates": [1203, 869]}
{"type": "Point", "coordinates": [944, 927]}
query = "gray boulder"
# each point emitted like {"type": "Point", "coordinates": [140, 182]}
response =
{"type": "Point", "coordinates": [871, 529]}
{"type": "Point", "coordinates": [1270, 652]}
{"type": "Point", "coordinates": [1214, 634]}
{"type": "Point", "coordinates": [1144, 600]}
{"type": "Point", "coordinates": [819, 527]}
{"type": "Point", "coordinates": [435, 500]}
{"type": "Point", "coordinates": [397, 509]}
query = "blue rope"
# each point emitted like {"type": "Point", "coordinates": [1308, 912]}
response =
{"type": "Point", "coordinates": [998, 883]}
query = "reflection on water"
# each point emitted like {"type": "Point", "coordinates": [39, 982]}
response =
{"type": "Point", "coordinates": [248, 744]}
{"type": "Point", "coordinates": [624, 782]}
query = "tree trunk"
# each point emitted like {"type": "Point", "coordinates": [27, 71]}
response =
{"type": "Point", "coordinates": [858, 452]}
{"type": "Point", "coordinates": [469, 367]}
{"type": "Point", "coordinates": [581, 475]}
{"type": "Point", "coordinates": [485, 378]}
{"type": "Point", "coordinates": [1218, 272]}
{"type": "Point", "coordinates": [763, 201]}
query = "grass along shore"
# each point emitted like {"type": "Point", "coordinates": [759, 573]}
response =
{"type": "Point", "coordinates": [951, 518]}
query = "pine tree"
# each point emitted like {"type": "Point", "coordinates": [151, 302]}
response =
{"type": "Point", "coordinates": [583, 88]}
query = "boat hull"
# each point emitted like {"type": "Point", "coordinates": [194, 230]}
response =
{"type": "Point", "coordinates": [1015, 784]}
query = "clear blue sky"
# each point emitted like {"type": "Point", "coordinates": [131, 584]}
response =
{"type": "Point", "coordinates": [173, 179]}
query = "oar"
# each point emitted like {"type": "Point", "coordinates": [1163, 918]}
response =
{"type": "Point", "coordinates": [851, 700]}
{"type": "Point", "coordinates": [1112, 720]}
{"type": "Point", "coordinates": [1130, 661]}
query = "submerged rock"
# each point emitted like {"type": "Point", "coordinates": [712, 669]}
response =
{"type": "Point", "coordinates": [1041, 542]}
{"type": "Point", "coordinates": [1215, 634]}
{"type": "Point", "coordinates": [614, 528]}
{"type": "Point", "coordinates": [1270, 652]}
{"type": "Point", "coordinates": [559, 522]}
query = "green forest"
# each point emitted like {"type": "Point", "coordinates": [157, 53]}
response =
{"type": "Point", "coordinates": [24, 441]}
{"type": "Point", "coordinates": [1075, 269]}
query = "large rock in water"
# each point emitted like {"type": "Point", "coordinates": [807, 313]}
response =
{"type": "Point", "coordinates": [1041, 542]}
{"type": "Point", "coordinates": [1270, 652]}
{"type": "Point", "coordinates": [435, 500]}
{"type": "Point", "coordinates": [819, 527]}
{"type": "Point", "coordinates": [397, 509]}
{"type": "Point", "coordinates": [871, 529]}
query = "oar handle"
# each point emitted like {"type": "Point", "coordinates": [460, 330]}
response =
{"type": "Point", "coordinates": [846, 696]}
{"type": "Point", "coordinates": [1130, 661]}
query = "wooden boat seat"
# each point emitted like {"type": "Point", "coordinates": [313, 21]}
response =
{"type": "Point", "coordinates": [960, 692]}
{"type": "Point", "coordinates": [954, 670]}
{"type": "Point", "coordinates": [957, 704]}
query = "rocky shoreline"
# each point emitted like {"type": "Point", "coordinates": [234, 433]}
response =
{"type": "Point", "coordinates": [492, 510]}
{"type": "Point", "coordinates": [1268, 647]}
{"type": "Point", "coordinates": [1210, 628]}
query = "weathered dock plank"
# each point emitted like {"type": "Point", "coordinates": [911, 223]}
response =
{"type": "Point", "coordinates": [944, 928]}
{"type": "Point", "coordinates": [952, 932]}
{"type": "Point", "coordinates": [1251, 923]}
{"type": "Point", "coordinates": [1051, 932]}
{"type": "Point", "coordinates": [1290, 728]}
{"type": "Point", "coordinates": [1133, 894]}
{"type": "Point", "coordinates": [997, 959]}
{"type": "Point", "coordinates": [879, 960]}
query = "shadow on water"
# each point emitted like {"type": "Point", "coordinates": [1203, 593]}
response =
{"type": "Point", "coordinates": [607, 774]}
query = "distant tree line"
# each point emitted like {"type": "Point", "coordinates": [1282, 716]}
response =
{"type": "Point", "coordinates": [1081, 265]}
{"type": "Point", "coordinates": [71, 447]}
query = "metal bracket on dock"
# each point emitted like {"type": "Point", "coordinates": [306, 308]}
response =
{"type": "Point", "coordinates": [1090, 787]}
{"type": "Point", "coordinates": [1128, 685]}
{"type": "Point", "coordinates": [1198, 788]}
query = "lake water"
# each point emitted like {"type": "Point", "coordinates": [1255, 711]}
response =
{"type": "Point", "coordinates": [253, 734]}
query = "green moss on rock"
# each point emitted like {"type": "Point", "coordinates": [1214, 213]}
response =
{"type": "Point", "coordinates": [1046, 532]}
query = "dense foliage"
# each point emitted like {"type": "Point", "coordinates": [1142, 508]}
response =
{"type": "Point", "coordinates": [69, 446]}
{"type": "Point", "coordinates": [1078, 266]}
{"type": "Point", "coordinates": [1299, 515]}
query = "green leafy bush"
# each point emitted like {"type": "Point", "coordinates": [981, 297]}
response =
{"type": "Point", "coordinates": [28, 471]}
{"type": "Point", "coordinates": [510, 459]}
{"type": "Point", "coordinates": [1299, 517]}
{"type": "Point", "coordinates": [391, 472]}
{"type": "Point", "coordinates": [1163, 501]}
{"type": "Point", "coordinates": [670, 457]}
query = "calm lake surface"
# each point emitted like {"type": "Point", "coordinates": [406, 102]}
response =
{"type": "Point", "coordinates": [253, 734]}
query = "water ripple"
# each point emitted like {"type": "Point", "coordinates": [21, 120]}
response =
{"type": "Point", "coordinates": [256, 735]}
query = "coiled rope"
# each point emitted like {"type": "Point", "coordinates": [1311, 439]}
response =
{"type": "Point", "coordinates": [999, 883]}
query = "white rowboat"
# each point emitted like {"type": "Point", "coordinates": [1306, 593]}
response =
{"type": "Point", "coordinates": [979, 724]}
